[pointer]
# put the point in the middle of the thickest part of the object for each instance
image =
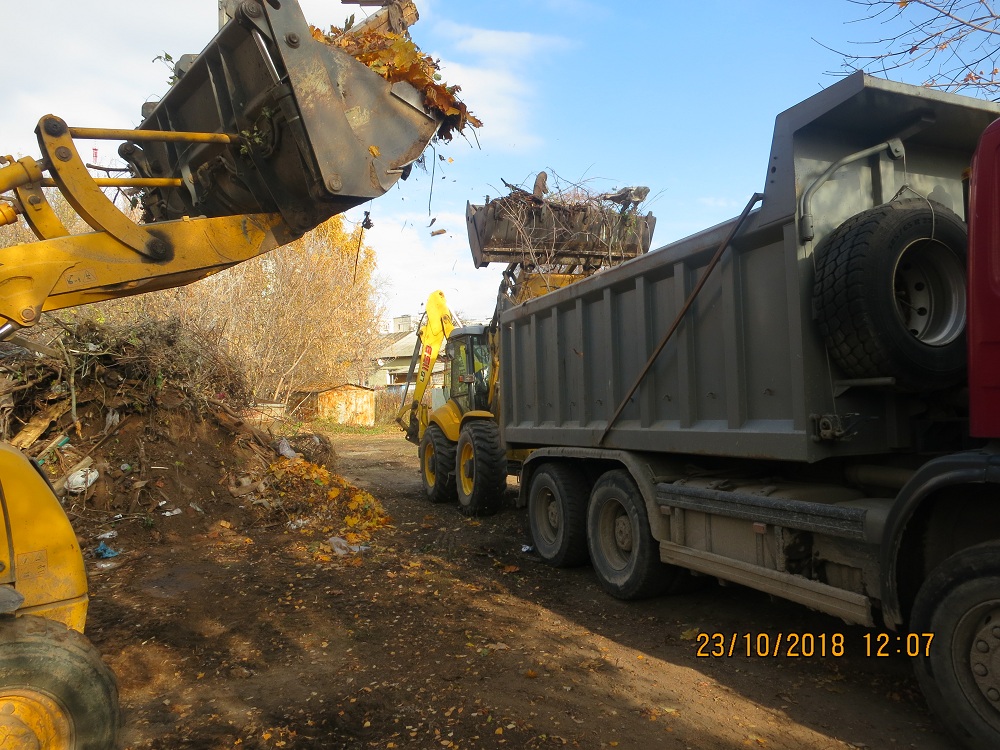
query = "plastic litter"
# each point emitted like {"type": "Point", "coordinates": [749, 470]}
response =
{"type": "Point", "coordinates": [340, 546]}
{"type": "Point", "coordinates": [527, 548]}
{"type": "Point", "coordinates": [108, 534]}
{"type": "Point", "coordinates": [285, 449]}
{"type": "Point", "coordinates": [102, 551]}
{"type": "Point", "coordinates": [80, 480]}
{"type": "Point", "coordinates": [174, 512]}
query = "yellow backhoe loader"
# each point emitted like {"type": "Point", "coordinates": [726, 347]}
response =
{"type": "Point", "coordinates": [459, 444]}
{"type": "Point", "coordinates": [263, 136]}
{"type": "Point", "coordinates": [547, 245]}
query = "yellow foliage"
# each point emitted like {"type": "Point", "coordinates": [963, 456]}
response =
{"type": "Point", "coordinates": [327, 500]}
{"type": "Point", "coordinates": [396, 57]}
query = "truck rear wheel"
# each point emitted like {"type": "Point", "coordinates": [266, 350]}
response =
{"type": "Point", "coordinates": [622, 549]}
{"type": "Point", "coordinates": [481, 468]}
{"type": "Point", "coordinates": [54, 689]}
{"type": "Point", "coordinates": [960, 673]}
{"type": "Point", "coordinates": [889, 295]}
{"type": "Point", "coordinates": [557, 515]}
{"type": "Point", "coordinates": [437, 465]}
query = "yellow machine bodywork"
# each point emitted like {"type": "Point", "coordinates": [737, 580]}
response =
{"type": "Point", "coordinates": [437, 327]}
{"type": "Point", "coordinates": [460, 447]}
{"type": "Point", "coordinates": [38, 548]}
{"type": "Point", "coordinates": [519, 285]}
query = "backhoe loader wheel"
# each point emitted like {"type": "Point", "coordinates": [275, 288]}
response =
{"type": "Point", "coordinates": [557, 515]}
{"type": "Point", "coordinates": [55, 692]}
{"type": "Point", "coordinates": [481, 468]}
{"type": "Point", "coordinates": [437, 465]}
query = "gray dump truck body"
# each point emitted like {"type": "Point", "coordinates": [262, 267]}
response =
{"type": "Point", "coordinates": [804, 429]}
{"type": "Point", "coordinates": [746, 374]}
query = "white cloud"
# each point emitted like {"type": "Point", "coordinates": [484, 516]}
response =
{"type": "Point", "coordinates": [495, 73]}
{"type": "Point", "coordinates": [511, 48]}
{"type": "Point", "coordinates": [502, 100]}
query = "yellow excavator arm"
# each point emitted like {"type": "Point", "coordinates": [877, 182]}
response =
{"type": "Point", "coordinates": [264, 135]}
{"type": "Point", "coordinates": [437, 327]}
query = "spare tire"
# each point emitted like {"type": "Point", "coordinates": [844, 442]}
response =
{"type": "Point", "coordinates": [889, 295]}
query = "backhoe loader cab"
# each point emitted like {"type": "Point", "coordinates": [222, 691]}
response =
{"type": "Point", "coordinates": [468, 367]}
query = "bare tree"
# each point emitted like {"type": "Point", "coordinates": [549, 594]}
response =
{"type": "Point", "coordinates": [955, 43]}
{"type": "Point", "coordinates": [306, 314]}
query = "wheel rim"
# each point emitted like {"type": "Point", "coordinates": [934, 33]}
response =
{"type": "Point", "coordinates": [981, 682]}
{"type": "Point", "coordinates": [929, 292]}
{"type": "Point", "coordinates": [467, 469]}
{"type": "Point", "coordinates": [617, 534]}
{"type": "Point", "coordinates": [430, 475]}
{"type": "Point", "coordinates": [547, 516]}
{"type": "Point", "coordinates": [35, 720]}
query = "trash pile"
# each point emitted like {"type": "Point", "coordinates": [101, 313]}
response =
{"type": "Point", "coordinates": [320, 503]}
{"type": "Point", "coordinates": [151, 421]}
{"type": "Point", "coordinates": [75, 395]}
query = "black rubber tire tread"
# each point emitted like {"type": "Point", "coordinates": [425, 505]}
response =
{"type": "Point", "coordinates": [443, 488]}
{"type": "Point", "coordinates": [489, 467]}
{"type": "Point", "coordinates": [570, 491]}
{"type": "Point", "coordinates": [644, 575]}
{"type": "Point", "coordinates": [853, 295]}
{"type": "Point", "coordinates": [47, 656]}
{"type": "Point", "coordinates": [965, 579]}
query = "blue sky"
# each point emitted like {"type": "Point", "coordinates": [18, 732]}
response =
{"type": "Point", "coordinates": [680, 97]}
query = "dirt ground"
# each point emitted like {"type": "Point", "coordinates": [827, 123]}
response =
{"type": "Point", "coordinates": [229, 631]}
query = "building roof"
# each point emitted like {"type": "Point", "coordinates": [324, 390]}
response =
{"type": "Point", "coordinates": [324, 387]}
{"type": "Point", "coordinates": [399, 344]}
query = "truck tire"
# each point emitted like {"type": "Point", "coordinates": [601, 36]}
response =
{"type": "Point", "coordinates": [437, 465]}
{"type": "Point", "coordinates": [557, 515]}
{"type": "Point", "coordinates": [480, 468]}
{"type": "Point", "coordinates": [889, 294]}
{"type": "Point", "coordinates": [623, 552]}
{"type": "Point", "coordinates": [54, 688]}
{"type": "Point", "coordinates": [960, 675]}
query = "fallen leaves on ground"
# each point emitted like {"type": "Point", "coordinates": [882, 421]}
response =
{"type": "Point", "coordinates": [327, 502]}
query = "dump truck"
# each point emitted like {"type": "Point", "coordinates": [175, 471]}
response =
{"type": "Point", "coordinates": [804, 400]}
{"type": "Point", "coordinates": [264, 135]}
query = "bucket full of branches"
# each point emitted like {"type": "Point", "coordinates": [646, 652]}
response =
{"type": "Point", "coordinates": [573, 227]}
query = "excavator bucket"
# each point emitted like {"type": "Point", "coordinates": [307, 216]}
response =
{"type": "Point", "coordinates": [319, 131]}
{"type": "Point", "coordinates": [263, 136]}
{"type": "Point", "coordinates": [520, 228]}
